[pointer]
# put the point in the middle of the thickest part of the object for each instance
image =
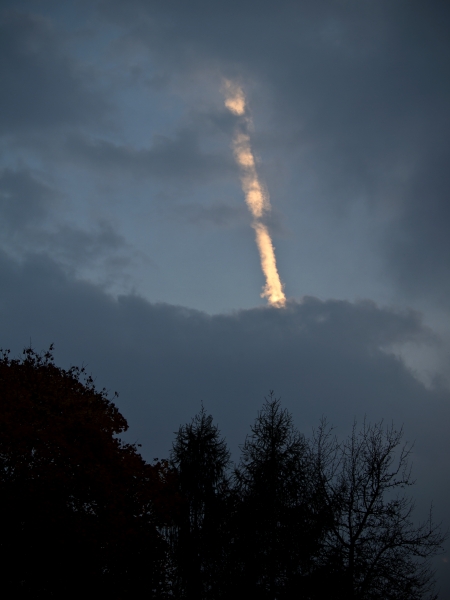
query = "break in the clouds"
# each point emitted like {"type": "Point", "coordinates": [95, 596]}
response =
{"type": "Point", "coordinates": [360, 91]}
{"type": "Point", "coordinates": [350, 107]}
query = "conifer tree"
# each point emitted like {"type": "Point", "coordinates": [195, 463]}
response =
{"type": "Point", "coordinates": [201, 458]}
{"type": "Point", "coordinates": [281, 517]}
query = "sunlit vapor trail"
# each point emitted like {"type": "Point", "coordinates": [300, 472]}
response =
{"type": "Point", "coordinates": [256, 197]}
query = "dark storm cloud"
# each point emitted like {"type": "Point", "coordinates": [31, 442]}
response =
{"type": "Point", "coordinates": [362, 87]}
{"type": "Point", "coordinates": [323, 357]}
{"type": "Point", "coordinates": [418, 241]}
{"type": "Point", "coordinates": [42, 87]}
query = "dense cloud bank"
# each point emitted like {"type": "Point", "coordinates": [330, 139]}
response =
{"type": "Point", "coordinates": [323, 357]}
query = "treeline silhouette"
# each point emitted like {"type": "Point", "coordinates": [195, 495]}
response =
{"type": "Point", "coordinates": [82, 513]}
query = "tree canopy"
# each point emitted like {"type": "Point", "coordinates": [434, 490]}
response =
{"type": "Point", "coordinates": [282, 518]}
{"type": "Point", "coordinates": [199, 537]}
{"type": "Point", "coordinates": [376, 549]}
{"type": "Point", "coordinates": [79, 508]}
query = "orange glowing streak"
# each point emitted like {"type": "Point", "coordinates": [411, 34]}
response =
{"type": "Point", "coordinates": [273, 290]}
{"type": "Point", "coordinates": [235, 99]}
{"type": "Point", "coordinates": [256, 198]}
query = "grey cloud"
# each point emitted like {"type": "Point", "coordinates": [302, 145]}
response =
{"type": "Point", "coordinates": [220, 215]}
{"type": "Point", "coordinates": [76, 246]}
{"type": "Point", "coordinates": [98, 251]}
{"type": "Point", "coordinates": [42, 86]}
{"type": "Point", "coordinates": [24, 200]}
{"type": "Point", "coordinates": [418, 243]}
{"type": "Point", "coordinates": [29, 223]}
{"type": "Point", "coordinates": [170, 159]}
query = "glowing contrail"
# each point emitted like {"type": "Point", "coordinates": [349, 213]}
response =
{"type": "Point", "coordinates": [256, 196]}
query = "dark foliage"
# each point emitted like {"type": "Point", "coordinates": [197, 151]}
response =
{"type": "Point", "coordinates": [79, 509]}
{"type": "Point", "coordinates": [373, 550]}
{"type": "Point", "coordinates": [199, 538]}
{"type": "Point", "coordinates": [300, 518]}
{"type": "Point", "coordinates": [281, 516]}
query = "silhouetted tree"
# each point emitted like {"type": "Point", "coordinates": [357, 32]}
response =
{"type": "Point", "coordinates": [373, 550]}
{"type": "Point", "coordinates": [79, 509]}
{"type": "Point", "coordinates": [199, 543]}
{"type": "Point", "coordinates": [281, 517]}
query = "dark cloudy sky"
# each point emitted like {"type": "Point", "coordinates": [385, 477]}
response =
{"type": "Point", "coordinates": [125, 239]}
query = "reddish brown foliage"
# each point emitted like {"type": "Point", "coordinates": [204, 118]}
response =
{"type": "Point", "coordinates": [79, 508]}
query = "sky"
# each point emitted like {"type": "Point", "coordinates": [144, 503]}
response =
{"type": "Point", "coordinates": [126, 237]}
